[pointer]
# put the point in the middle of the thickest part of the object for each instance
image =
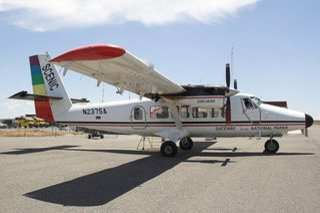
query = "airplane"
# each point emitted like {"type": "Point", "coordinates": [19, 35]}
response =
{"type": "Point", "coordinates": [164, 109]}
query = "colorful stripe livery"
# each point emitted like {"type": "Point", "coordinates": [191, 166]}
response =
{"type": "Point", "coordinates": [43, 108]}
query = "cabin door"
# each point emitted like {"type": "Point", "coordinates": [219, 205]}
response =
{"type": "Point", "coordinates": [138, 117]}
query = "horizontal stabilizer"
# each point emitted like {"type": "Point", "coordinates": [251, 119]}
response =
{"type": "Point", "coordinates": [24, 95]}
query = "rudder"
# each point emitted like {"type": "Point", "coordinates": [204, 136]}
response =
{"type": "Point", "coordinates": [46, 81]}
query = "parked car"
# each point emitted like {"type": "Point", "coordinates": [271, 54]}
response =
{"type": "Point", "coordinates": [3, 126]}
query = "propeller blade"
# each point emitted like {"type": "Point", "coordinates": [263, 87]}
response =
{"type": "Point", "coordinates": [228, 75]}
{"type": "Point", "coordinates": [228, 111]}
{"type": "Point", "coordinates": [235, 84]}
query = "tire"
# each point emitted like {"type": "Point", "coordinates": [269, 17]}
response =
{"type": "Point", "coordinates": [169, 149]}
{"type": "Point", "coordinates": [89, 136]}
{"type": "Point", "coordinates": [271, 146]}
{"type": "Point", "coordinates": [186, 143]}
{"type": "Point", "coordinates": [101, 136]}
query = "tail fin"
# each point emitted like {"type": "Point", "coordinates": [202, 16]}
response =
{"type": "Point", "coordinates": [46, 81]}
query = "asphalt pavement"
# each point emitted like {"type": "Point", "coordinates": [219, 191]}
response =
{"type": "Point", "coordinates": [75, 174]}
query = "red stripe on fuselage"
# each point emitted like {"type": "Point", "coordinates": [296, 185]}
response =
{"type": "Point", "coordinates": [185, 125]}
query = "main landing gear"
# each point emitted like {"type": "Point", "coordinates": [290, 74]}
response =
{"type": "Point", "coordinates": [186, 143]}
{"type": "Point", "coordinates": [170, 149]}
{"type": "Point", "coordinates": [95, 135]}
{"type": "Point", "coordinates": [271, 146]}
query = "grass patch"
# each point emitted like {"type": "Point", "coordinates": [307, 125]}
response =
{"type": "Point", "coordinates": [35, 133]}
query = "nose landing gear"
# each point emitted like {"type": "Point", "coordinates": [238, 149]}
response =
{"type": "Point", "coordinates": [271, 146]}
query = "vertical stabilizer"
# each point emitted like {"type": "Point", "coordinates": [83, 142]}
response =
{"type": "Point", "coordinates": [46, 81]}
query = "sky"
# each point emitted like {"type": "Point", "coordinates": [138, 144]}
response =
{"type": "Point", "coordinates": [276, 44]}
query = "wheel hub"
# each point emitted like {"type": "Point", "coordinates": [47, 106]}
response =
{"type": "Point", "coordinates": [271, 146]}
{"type": "Point", "coordinates": [185, 143]}
{"type": "Point", "coordinates": [168, 149]}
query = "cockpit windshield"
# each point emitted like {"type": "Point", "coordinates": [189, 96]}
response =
{"type": "Point", "coordinates": [256, 100]}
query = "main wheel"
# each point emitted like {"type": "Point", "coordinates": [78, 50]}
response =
{"type": "Point", "coordinates": [89, 136]}
{"type": "Point", "coordinates": [186, 143]}
{"type": "Point", "coordinates": [101, 136]}
{"type": "Point", "coordinates": [169, 149]}
{"type": "Point", "coordinates": [271, 146]}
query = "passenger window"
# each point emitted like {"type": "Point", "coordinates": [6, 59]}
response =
{"type": "Point", "coordinates": [138, 114]}
{"type": "Point", "coordinates": [159, 112]}
{"type": "Point", "coordinates": [223, 112]}
{"type": "Point", "coordinates": [247, 103]}
{"type": "Point", "coordinates": [214, 113]}
{"type": "Point", "coordinates": [184, 111]}
{"type": "Point", "coordinates": [199, 112]}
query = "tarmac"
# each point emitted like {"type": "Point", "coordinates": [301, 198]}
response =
{"type": "Point", "coordinates": [75, 174]}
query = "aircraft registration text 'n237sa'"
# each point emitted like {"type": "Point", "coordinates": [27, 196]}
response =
{"type": "Point", "coordinates": [174, 112]}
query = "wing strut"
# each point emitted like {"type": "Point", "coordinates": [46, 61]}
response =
{"type": "Point", "coordinates": [175, 113]}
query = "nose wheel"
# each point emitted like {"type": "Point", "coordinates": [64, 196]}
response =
{"type": "Point", "coordinates": [271, 146]}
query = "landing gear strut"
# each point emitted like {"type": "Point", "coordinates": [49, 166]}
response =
{"type": "Point", "coordinates": [271, 146]}
{"type": "Point", "coordinates": [186, 143]}
{"type": "Point", "coordinates": [169, 149]}
{"type": "Point", "coordinates": [95, 134]}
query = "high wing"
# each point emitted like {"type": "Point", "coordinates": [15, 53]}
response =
{"type": "Point", "coordinates": [116, 66]}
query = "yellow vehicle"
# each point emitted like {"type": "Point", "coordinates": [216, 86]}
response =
{"type": "Point", "coordinates": [26, 122]}
{"type": "Point", "coordinates": [40, 122]}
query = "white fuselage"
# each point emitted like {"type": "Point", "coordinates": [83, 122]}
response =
{"type": "Point", "coordinates": [146, 118]}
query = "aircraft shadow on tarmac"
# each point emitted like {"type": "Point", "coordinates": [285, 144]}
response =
{"type": "Point", "coordinates": [33, 150]}
{"type": "Point", "coordinates": [102, 187]}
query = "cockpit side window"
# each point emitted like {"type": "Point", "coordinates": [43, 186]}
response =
{"type": "Point", "coordinates": [247, 103]}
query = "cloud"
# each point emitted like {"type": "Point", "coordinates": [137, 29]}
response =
{"type": "Point", "coordinates": [49, 15]}
{"type": "Point", "coordinates": [15, 108]}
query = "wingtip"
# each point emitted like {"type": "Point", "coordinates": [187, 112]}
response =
{"type": "Point", "coordinates": [91, 52]}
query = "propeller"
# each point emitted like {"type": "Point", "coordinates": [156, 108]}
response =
{"type": "Point", "coordinates": [228, 104]}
